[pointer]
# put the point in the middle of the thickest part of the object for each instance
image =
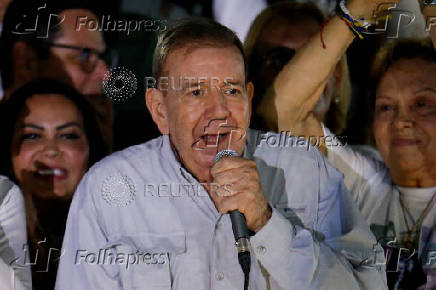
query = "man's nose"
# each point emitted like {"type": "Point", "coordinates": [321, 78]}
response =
{"type": "Point", "coordinates": [218, 105]}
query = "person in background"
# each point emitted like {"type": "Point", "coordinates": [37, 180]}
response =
{"type": "Point", "coordinates": [3, 5]}
{"type": "Point", "coordinates": [14, 270]}
{"type": "Point", "coordinates": [397, 196]}
{"type": "Point", "coordinates": [49, 43]}
{"type": "Point", "coordinates": [276, 34]}
{"type": "Point", "coordinates": [274, 37]}
{"type": "Point", "coordinates": [50, 138]}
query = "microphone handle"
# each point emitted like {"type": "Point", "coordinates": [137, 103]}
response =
{"type": "Point", "coordinates": [239, 225]}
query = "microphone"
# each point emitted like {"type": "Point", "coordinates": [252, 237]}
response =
{"type": "Point", "coordinates": [239, 226]}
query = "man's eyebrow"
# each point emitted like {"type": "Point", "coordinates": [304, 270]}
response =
{"type": "Point", "coordinates": [69, 124]}
{"type": "Point", "coordinates": [193, 81]}
{"type": "Point", "coordinates": [233, 82]}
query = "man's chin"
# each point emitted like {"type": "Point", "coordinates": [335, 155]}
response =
{"type": "Point", "coordinates": [207, 156]}
{"type": "Point", "coordinates": [200, 165]}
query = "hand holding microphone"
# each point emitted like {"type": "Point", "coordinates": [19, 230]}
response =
{"type": "Point", "coordinates": [240, 189]}
{"type": "Point", "coordinates": [240, 194]}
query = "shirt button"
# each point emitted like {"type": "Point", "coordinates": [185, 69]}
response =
{"type": "Point", "coordinates": [261, 249]}
{"type": "Point", "coordinates": [219, 276]}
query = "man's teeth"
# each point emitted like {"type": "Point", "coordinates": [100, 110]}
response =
{"type": "Point", "coordinates": [211, 138]}
{"type": "Point", "coordinates": [214, 138]}
{"type": "Point", "coordinates": [55, 171]}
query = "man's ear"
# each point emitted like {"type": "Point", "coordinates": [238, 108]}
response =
{"type": "Point", "coordinates": [25, 63]}
{"type": "Point", "coordinates": [154, 100]}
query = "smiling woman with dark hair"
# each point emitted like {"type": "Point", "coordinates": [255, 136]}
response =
{"type": "Point", "coordinates": [50, 139]}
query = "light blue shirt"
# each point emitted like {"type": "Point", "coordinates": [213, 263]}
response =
{"type": "Point", "coordinates": [14, 271]}
{"type": "Point", "coordinates": [139, 220]}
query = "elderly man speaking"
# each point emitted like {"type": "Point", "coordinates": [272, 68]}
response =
{"type": "Point", "coordinates": [154, 216]}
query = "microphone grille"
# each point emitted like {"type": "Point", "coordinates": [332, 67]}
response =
{"type": "Point", "coordinates": [225, 153]}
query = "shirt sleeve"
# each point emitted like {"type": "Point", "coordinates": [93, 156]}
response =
{"type": "Point", "coordinates": [337, 252]}
{"type": "Point", "coordinates": [13, 236]}
{"type": "Point", "coordinates": [84, 237]}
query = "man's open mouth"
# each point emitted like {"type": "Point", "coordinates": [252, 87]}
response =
{"type": "Point", "coordinates": [213, 140]}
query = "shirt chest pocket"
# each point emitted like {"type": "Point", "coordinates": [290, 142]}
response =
{"type": "Point", "coordinates": [144, 259]}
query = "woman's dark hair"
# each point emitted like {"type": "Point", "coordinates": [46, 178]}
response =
{"type": "Point", "coordinates": [11, 109]}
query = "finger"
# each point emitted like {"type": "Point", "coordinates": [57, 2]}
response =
{"type": "Point", "coordinates": [216, 195]}
{"type": "Point", "coordinates": [239, 201]}
{"type": "Point", "coordinates": [222, 190]}
{"type": "Point", "coordinates": [234, 175]}
{"type": "Point", "coordinates": [232, 162]}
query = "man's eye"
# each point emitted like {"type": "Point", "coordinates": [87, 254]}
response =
{"type": "Point", "coordinates": [196, 92]}
{"type": "Point", "coordinates": [231, 91]}
{"type": "Point", "coordinates": [30, 136]}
